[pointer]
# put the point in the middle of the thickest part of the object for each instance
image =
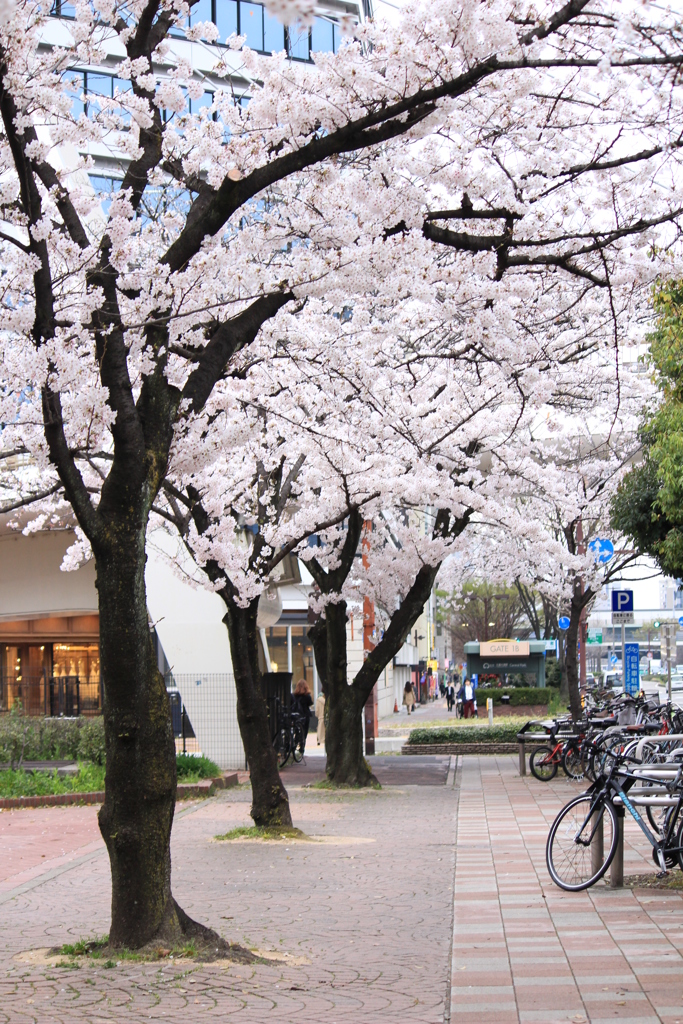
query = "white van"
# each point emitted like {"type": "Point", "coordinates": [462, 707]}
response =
{"type": "Point", "coordinates": [612, 681]}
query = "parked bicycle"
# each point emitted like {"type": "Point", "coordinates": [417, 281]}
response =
{"type": "Point", "coordinates": [290, 737]}
{"type": "Point", "coordinates": [583, 838]}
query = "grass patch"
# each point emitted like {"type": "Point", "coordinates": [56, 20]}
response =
{"type": "Point", "coordinates": [89, 779]}
{"type": "Point", "coordinates": [99, 951]}
{"type": "Point", "coordinates": [327, 784]}
{"type": "Point", "coordinates": [264, 832]}
{"type": "Point", "coordinates": [192, 769]}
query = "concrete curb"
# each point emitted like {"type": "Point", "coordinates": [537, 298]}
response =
{"type": "Point", "coordinates": [461, 748]}
{"type": "Point", "coordinates": [185, 791]}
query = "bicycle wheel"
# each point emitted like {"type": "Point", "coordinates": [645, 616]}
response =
{"type": "Point", "coordinates": [572, 764]}
{"type": "Point", "coordinates": [542, 764]}
{"type": "Point", "coordinates": [282, 747]}
{"type": "Point", "coordinates": [574, 861]}
{"type": "Point", "coordinates": [297, 742]}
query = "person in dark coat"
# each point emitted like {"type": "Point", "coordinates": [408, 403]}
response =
{"type": "Point", "coordinates": [450, 696]}
{"type": "Point", "coordinates": [302, 702]}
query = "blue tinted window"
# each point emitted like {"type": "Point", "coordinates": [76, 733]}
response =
{"type": "Point", "coordinates": [201, 11]}
{"type": "Point", "coordinates": [337, 38]}
{"type": "Point", "coordinates": [76, 89]}
{"type": "Point", "coordinates": [226, 18]}
{"type": "Point", "coordinates": [298, 42]}
{"type": "Point", "coordinates": [204, 101]}
{"type": "Point", "coordinates": [322, 36]}
{"type": "Point", "coordinates": [63, 9]}
{"type": "Point", "coordinates": [251, 24]}
{"type": "Point", "coordinates": [273, 34]}
{"type": "Point", "coordinates": [97, 85]}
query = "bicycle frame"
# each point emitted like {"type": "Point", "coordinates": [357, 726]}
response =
{"type": "Point", "coordinates": [608, 787]}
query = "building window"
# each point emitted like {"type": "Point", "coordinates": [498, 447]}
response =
{"type": "Point", "coordinates": [263, 31]}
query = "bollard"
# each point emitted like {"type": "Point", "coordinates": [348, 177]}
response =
{"type": "Point", "coordinates": [616, 876]}
{"type": "Point", "coordinates": [522, 758]}
{"type": "Point", "coordinates": [489, 708]}
{"type": "Point", "coordinates": [597, 843]}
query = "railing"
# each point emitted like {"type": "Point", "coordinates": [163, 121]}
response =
{"type": "Point", "coordinates": [51, 696]}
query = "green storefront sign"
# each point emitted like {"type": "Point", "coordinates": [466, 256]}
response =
{"type": "Point", "coordinates": [594, 636]}
{"type": "Point", "coordinates": [533, 662]}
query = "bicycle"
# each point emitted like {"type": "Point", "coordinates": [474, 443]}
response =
{"type": "Point", "coordinates": [289, 738]}
{"type": "Point", "coordinates": [578, 853]}
{"type": "Point", "coordinates": [565, 753]}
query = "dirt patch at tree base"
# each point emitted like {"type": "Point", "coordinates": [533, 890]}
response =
{"type": "Point", "coordinates": [673, 882]}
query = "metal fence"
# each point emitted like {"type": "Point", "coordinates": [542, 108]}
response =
{"type": "Point", "coordinates": [203, 708]}
{"type": "Point", "coordinates": [204, 712]}
{"type": "Point", "coordinates": [51, 696]}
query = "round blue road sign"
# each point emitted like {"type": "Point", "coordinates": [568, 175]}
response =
{"type": "Point", "coordinates": [563, 622]}
{"type": "Point", "coordinates": [602, 550]}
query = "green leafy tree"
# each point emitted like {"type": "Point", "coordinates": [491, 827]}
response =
{"type": "Point", "coordinates": [648, 506]}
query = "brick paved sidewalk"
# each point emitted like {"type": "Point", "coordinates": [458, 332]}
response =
{"type": "Point", "coordinates": [368, 914]}
{"type": "Point", "coordinates": [526, 952]}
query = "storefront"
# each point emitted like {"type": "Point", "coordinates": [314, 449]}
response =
{"type": "Point", "coordinates": [51, 665]}
{"type": "Point", "coordinates": [290, 649]}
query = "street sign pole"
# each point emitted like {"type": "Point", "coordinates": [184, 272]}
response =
{"type": "Point", "coordinates": [623, 656]}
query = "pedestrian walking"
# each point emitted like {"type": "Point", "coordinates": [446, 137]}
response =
{"type": "Point", "coordinates": [466, 695]}
{"type": "Point", "coordinates": [302, 702]}
{"type": "Point", "coordinates": [409, 697]}
{"type": "Point", "coordinates": [320, 715]}
{"type": "Point", "coordinates": [450, 696]}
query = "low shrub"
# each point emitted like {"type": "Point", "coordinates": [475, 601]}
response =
{"type": "Point", "coordinates": [518, 695]}
{"type": "Point", "coordinates": [192, 769]}
{"type": "Point", "coordinates": [24, 738]}
{"type": "Point", "coordinates": [459, 734]}
{"type": "Point", "coordinates": [89, 779]}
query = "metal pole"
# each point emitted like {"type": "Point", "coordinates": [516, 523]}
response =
{"type": "Point", "coordinates": [668, 660]}
{"type": "Point", "coordinates": [623, 656]}
{"type": "Point", "coordinates": [489, 706]}
{"type": "Point", "coordinates": [598, 843]}
{"type": "Point", "coordinates": [616, 880]}
{"type": "Point", "coordinates": [182, 726]}
{"type": "Point", "coordinates": [289, 648]}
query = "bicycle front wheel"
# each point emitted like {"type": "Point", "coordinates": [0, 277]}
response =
{"type": "Point", "coordinates": [542, 764]}
{"type": "Point", "coordinates": [580, 849]}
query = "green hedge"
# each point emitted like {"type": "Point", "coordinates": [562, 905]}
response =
{"type": "Point", "coordinates": [518, 695]}
{"type": "Point", "coordinates": [465, 734]}
{"type": "Point", "coordinates": [51, 739]}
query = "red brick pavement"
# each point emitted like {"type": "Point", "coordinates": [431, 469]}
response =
{"type": "Point", "coordinates": [526, 952]}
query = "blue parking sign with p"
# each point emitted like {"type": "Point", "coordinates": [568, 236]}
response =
{"type": "Point", "coordinates": [622, 600]}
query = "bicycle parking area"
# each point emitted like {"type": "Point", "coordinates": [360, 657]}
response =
{"type": "Point", "coordinates": [524, 951]}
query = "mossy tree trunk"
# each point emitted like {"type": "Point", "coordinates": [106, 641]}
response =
{"type": "Point", "coordinates": [346, 764]}
{"type": "Point", "coordinates": [140, 789]}
{"type": "Point", "coordinates": [270, 803]}
{"type": "Point", "coordinates": [571, 655]}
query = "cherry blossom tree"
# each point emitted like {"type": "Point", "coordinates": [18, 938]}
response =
{"type": "Point", "coordinates": [514, 166]}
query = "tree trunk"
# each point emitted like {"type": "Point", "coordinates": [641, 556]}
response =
{"type": "Point", "coordinates": [346, 764]}
{"type": "Point", "coordinates": [270, 803]}
{"type": "Point", "coordinates": [564, 683]}
{"type": "Point", "coordinates": [572, 662]}
{"type": "Point", "coordinates": [140, 789]}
